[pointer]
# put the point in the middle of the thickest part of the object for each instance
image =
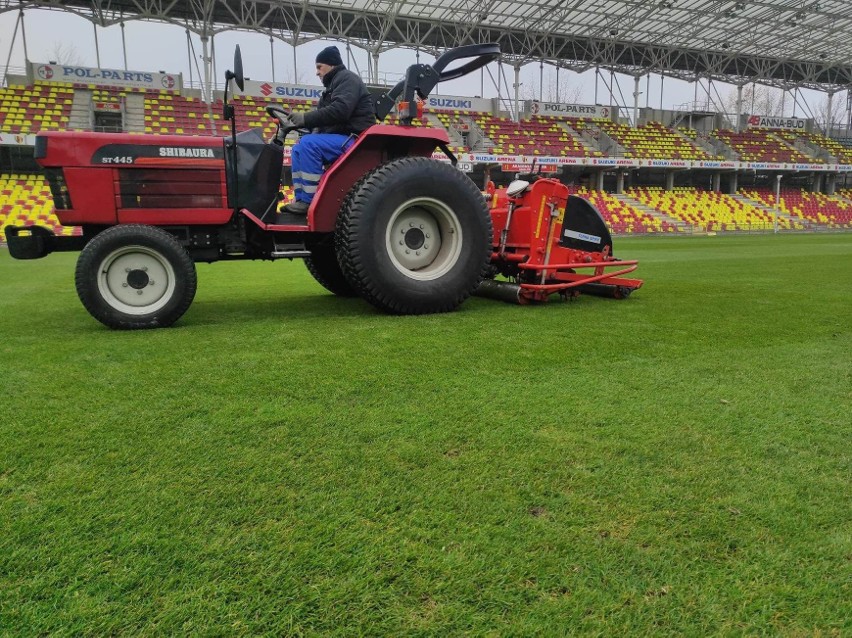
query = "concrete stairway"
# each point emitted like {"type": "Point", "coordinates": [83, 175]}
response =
{"type": "Point", "coordinates": [455, 137]}
{"type": "Point", "coordinates": [806, 147]}
{"type": "Point", "coordinates": [802, 148]}
{"type": "Point", "coordinates": [81, 116]}
{"type": "Point", "coordinates": [590, 136]}
{"type": "Point", "coordinates": [609, 146]}
{"type": "Point", "coordinates": [700, 144]}
{"type": "Point", "coordinates": [635, 204]}
{"type": "Point", "coordinates": [587, 142]}
{"type": "Point", "coordinates": [771, 210]}
{"type": "Point", "coordinates": [134, 113]}
{"type": "Point", "coordinates": [477, 139]}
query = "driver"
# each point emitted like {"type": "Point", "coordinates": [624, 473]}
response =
{"type": "Point", "coordinates": [344, 109]}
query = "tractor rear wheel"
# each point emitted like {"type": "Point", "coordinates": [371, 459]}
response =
{"type": "Point", "coordinates": [135, 276]}
{"type": "Point", "coordinates": [414, 237]}
{"type": "Point", "coordinates": [323, 266]}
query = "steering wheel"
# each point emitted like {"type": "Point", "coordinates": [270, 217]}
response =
{"type": "Point", "coordinates": [285, 124]}
{"type": "Point", "coordinates": [281, 114]}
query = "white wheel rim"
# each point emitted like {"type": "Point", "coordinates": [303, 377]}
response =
{"type": "Point", "coordinates": [424, 239]}
{"type": "Point", "coordinates": [136, 280]}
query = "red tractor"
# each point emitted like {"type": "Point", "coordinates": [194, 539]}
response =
{"type": "Point", "coordinates": [408, 233]}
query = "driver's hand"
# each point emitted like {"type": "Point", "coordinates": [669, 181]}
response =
{"type": "Point", "coordinates": [297, 118]}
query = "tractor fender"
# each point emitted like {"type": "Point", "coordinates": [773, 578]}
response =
{"type": "Point", "coordinates": [375, 146]}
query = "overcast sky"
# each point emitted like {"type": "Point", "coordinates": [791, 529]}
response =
{"type": "Point", "coordinates": [157, 46]}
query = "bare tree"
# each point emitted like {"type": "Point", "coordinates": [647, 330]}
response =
{"type": "Point", "coordinates": [563, 94]}
{"type": "Point", "coordinates": [66, 54]}
{"type": "Point", "coordinates": [289, 78]}
{"type": "Point", "coordinates": [769, 100]}
{"type": "Point", "coordinates": [829, 114]}
{"type": "Point", "coordinates": [757, 100]}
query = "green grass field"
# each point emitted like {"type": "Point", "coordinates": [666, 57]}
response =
{"type": "Point", "coordinates": [285, 462]}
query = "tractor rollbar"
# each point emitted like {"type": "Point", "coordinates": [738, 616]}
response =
{"type": "Point", "coordinates": [420, 79]}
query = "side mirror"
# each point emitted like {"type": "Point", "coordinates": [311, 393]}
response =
{"type": "Point", "coordinates": [237, 74]}
{"type": "Point", "coordinates": [238, 69]}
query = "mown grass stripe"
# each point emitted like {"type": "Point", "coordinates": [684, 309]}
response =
{"type": "Point", "coordinates": [290, 463]}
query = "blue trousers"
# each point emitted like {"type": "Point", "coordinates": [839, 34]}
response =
{"type": "Point", "coordinates": [309, 156]}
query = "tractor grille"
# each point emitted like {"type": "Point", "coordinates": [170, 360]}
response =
{"type": "Point", "coordinates": [170, 188]}
{"type": "Point", "coordinates": [58, 188]}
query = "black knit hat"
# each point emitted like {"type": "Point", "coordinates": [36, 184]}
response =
{"type": "Point", "coordinates": [330, 56]}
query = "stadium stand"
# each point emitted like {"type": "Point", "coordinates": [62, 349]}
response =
{"type": "Point", "coordinates": [40, 107]}
{"type": "Point", "coordinates": [573, 126]}
{"type": "Point", "coordinates": [651, 141]}
{"type": "Point", "coordinates": [455, 124]}
{"type": "Point", "coordinates": [287, 194]}
{"type": "Point", "coordinates": [107, 96]}
{"type": "Point", "coordinates": [817, 208]}
{"type": "Point", "coordinates": [590, 126]}
{"type": "Point", "coordinates": [26, 199]}
{"type": "Point", "coordinates": [169, 112]}
{"type": "Point", "coordinates": [842, 154]}
{"type": "Point", "coordinates": [537, 136]}
{"type": "Point", "coordinates": [707, 210]}
{"type": "Point", "coordinates": [166, 112]}
{"type": "Point", "coordinates": [762, 145]}
{"type": "Point", "coordinates": [622, 218]}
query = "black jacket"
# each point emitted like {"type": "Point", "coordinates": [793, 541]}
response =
{"type": "Point", "coordinates": [344, 107]}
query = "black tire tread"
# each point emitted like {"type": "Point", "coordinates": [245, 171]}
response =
{"type": "Point", "coordinates": [108, 240]}
{"type": "Point", "coordinates": [341, 238]}
{"type": "Point", "coordinates": [324, 267]}
{"type": "Point", "coordinates": [349, 253]}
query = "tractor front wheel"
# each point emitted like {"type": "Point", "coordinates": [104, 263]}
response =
{"type": "Point", "coordinates": [135, 276]}
{"type": "Point", "coordinates": [414, 237]}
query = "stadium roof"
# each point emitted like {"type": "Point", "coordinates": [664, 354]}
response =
{"type": "Point", "coordinates": [781, 42]}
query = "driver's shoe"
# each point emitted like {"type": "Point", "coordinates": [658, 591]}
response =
{"type": "Point", "coordinates": [296, 207]}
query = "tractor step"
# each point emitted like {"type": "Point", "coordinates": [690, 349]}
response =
{"type": "Point", "coordinates": [290, 254]}
{"type": "Point", "coordinates": [289, 251]}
